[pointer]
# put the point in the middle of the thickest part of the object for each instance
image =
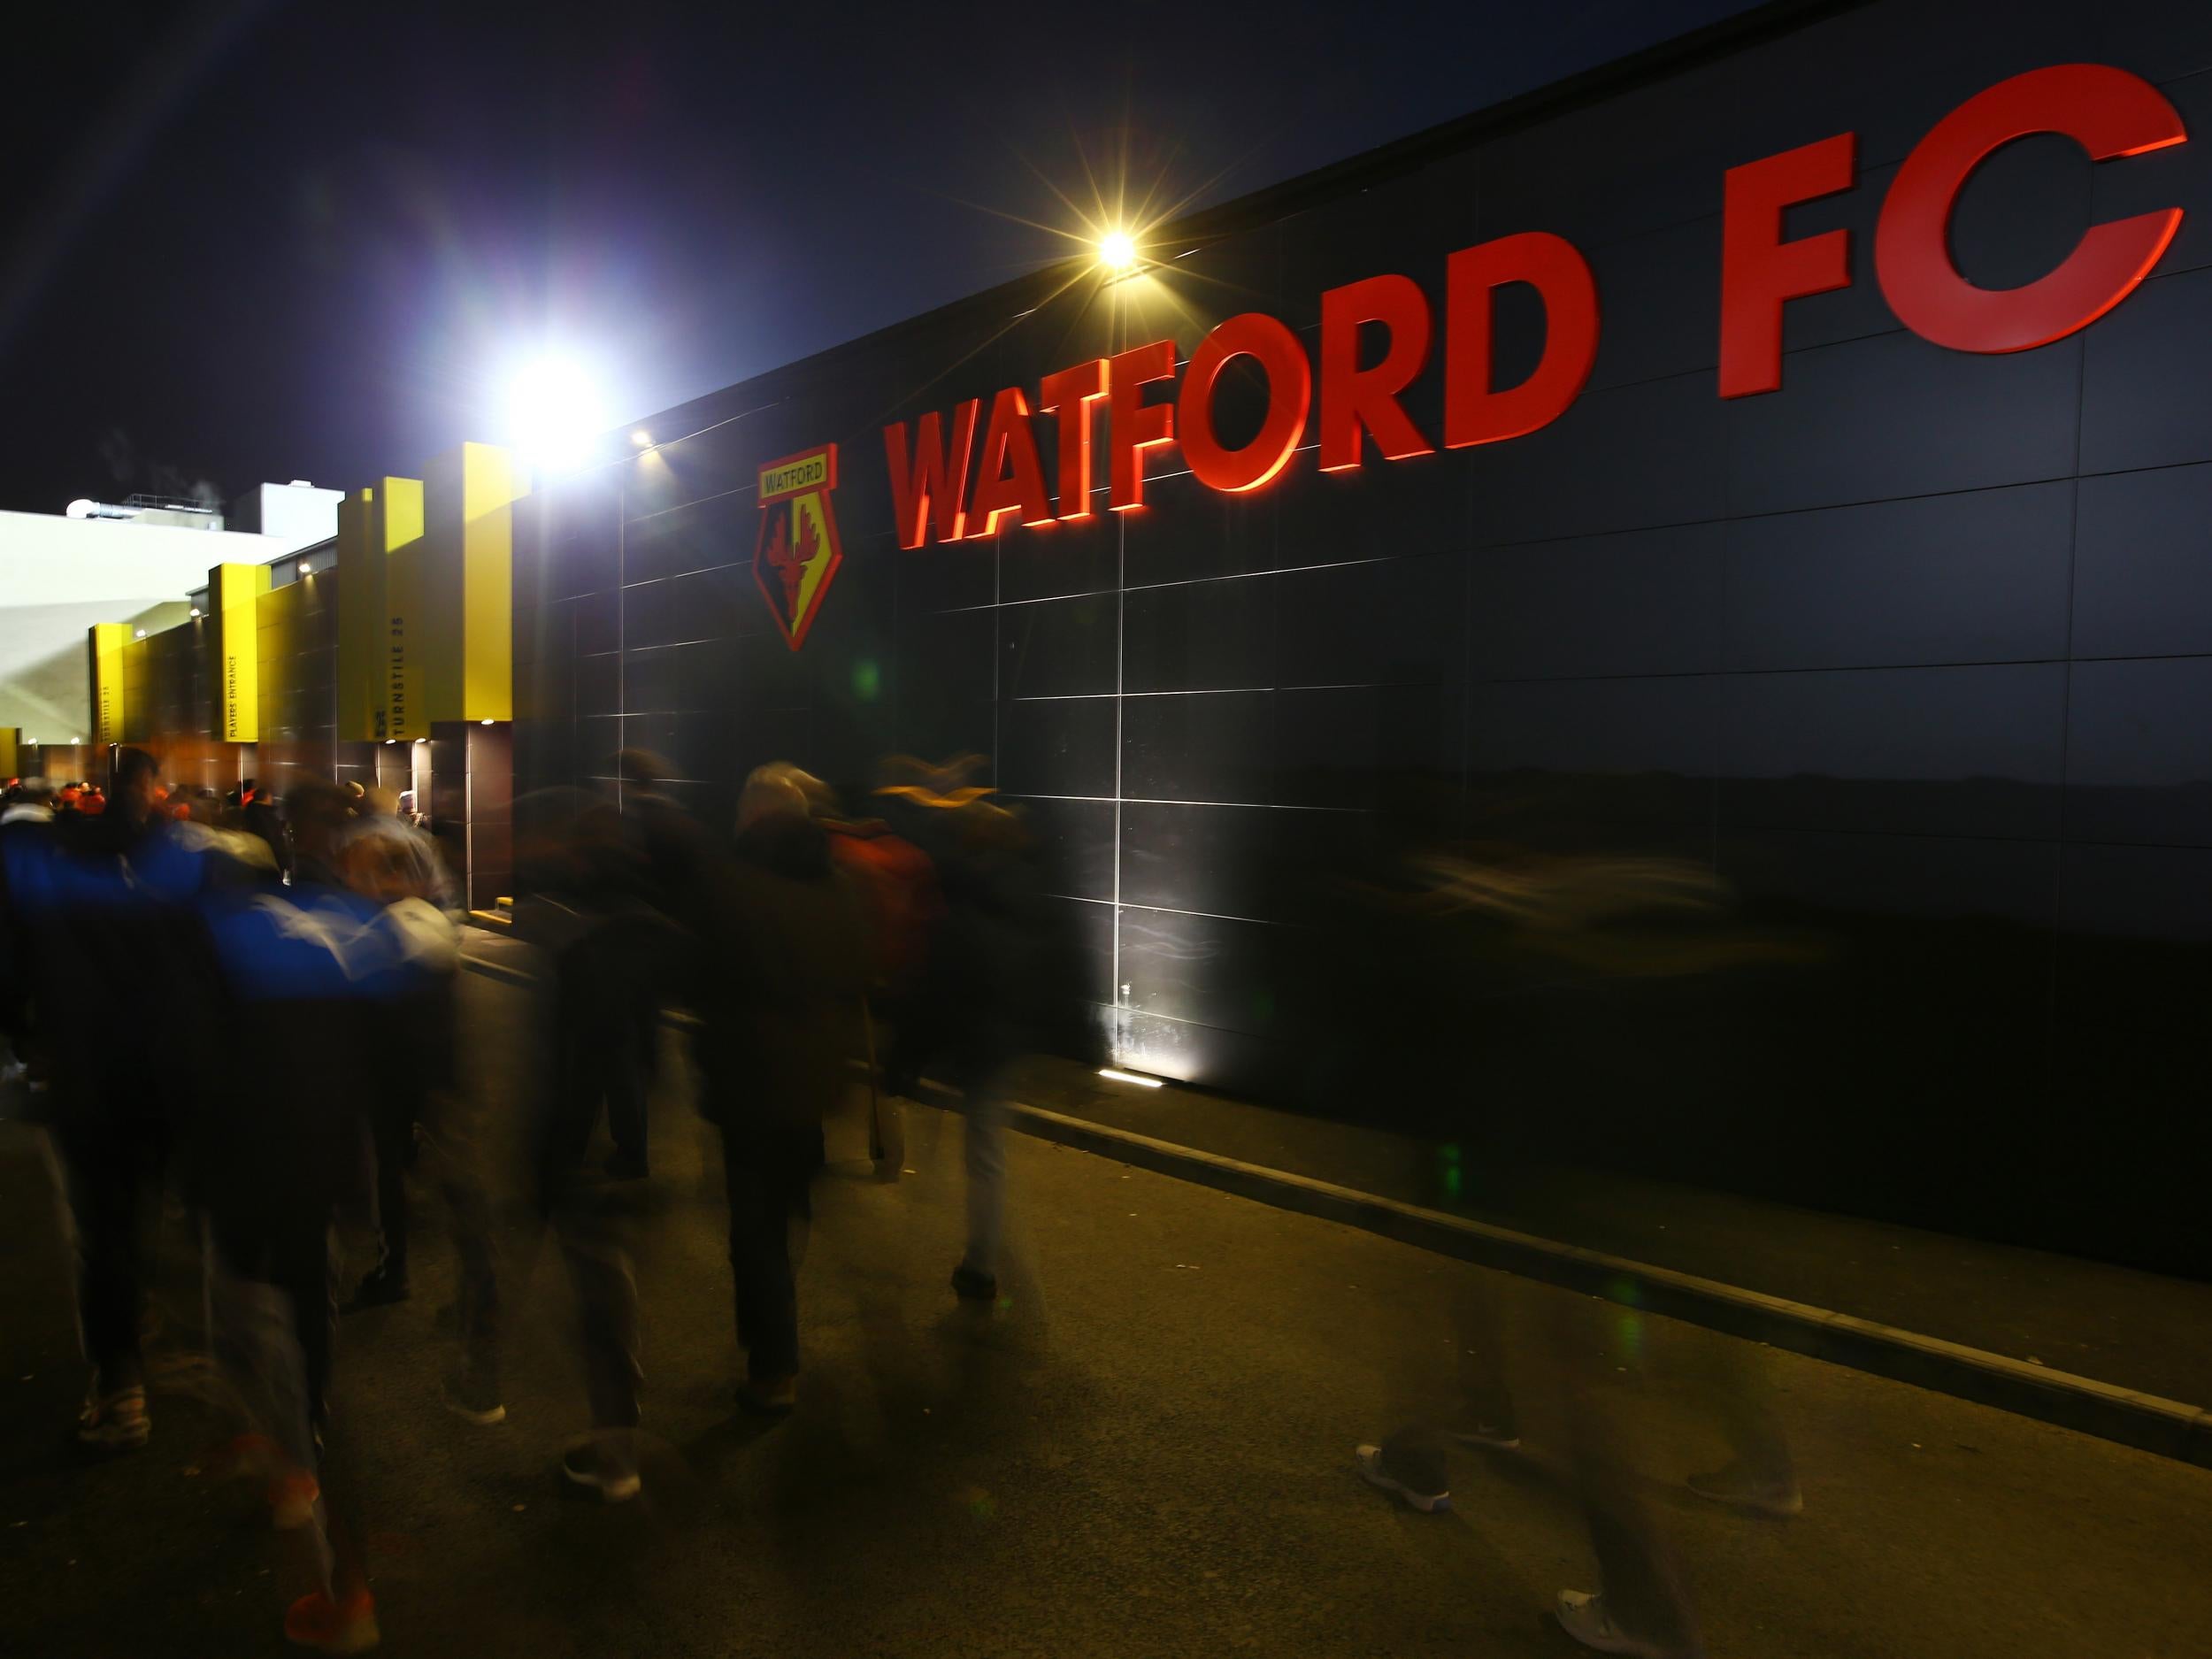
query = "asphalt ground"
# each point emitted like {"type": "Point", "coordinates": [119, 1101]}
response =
{"type": "Point", "coordinates": [1146, 1448]}
{"type": "Point", "coordinates": [2125, 1327]}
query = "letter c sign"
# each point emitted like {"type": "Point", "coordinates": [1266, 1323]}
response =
{"type": "Point", "coordinates": [2108, 112]}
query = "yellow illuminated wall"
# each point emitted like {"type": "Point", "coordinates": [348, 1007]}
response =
{"type": "Point", "coordinates": [234, 650]}
{"type": "Point", "coordinates": [108, 639]}
{"type": "Point", "coordinates": [452, 602]}
{"type": "Point", "coordinates": [137, 690]}
{"type": "Point", "coordinates": [277, 616]}
{"type": "Point", "coordinates": [360, 597]}
{"type": "Point", "coordinates": [372, 525]}
{"type": "Point", "coordinates": [10, 741]}
{"type": "Point", "coordinates": [422, 630]}
{"type": "Point", "coordinates": [409, 638]}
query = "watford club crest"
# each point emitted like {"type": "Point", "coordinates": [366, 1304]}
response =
{"type": "Point", "coordinates": [798, 553]}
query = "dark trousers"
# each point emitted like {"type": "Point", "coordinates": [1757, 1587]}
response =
{"type": "Point", "coordinates": [1483, 1399]}
{"type": "Point", "coordinates": [603, 1054]}
{"type": "Point", "coordinates": [287, 1249]}
{"type": "Point", "coordinates": [770, 1172]}
{"type": "Point", "coordinates": [589, 1227]}
{"type": "Point", "coordinates": [457, 1151]}
{"type": "Point", "coordinates": [1642, 1582]}
{"type": "Point", "coordinates": [111, 1174]}
{"type": "Point", "coordinates": [414, 1052]}
{"type": "Point", "coordinates": [392, 1127]}
{"type": "Point", "coordinates": [626, 1075]}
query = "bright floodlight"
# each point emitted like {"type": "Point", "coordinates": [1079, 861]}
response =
{"type": "Point", "coordinates": [553, 413]}
{"type": "Point", "coordinates": [1115, 252]}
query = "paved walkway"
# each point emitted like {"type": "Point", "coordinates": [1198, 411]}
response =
{"type": "Point", "coordinates": [2134, 1329]}
{"type": "Point", "coordinates": [1146, 1452]}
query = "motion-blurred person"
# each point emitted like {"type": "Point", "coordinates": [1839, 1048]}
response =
{"type": "Point", "coordinates": [1642, 1607]}
{"type": "Point", "coordinates": [780, 975]}
{"type": "Point", "coordinates": [671, 852]}
{"type": "Point", "coordinates": [673, 847]}
{"type": "Point", "coordinates": [1411, 1464]}
{"type": "Point", "coordinates": [1642, 1604]}
{"type": "Point", "coordinates": [897, 884]}
{"type": "Point", "coordinates": [313, 977]}
{"type": "Point", "coordinates": [258, 815]}
{"type": "Point", "coordinates": [1605, 916]}
{"type": "Point", "coordinates": [108, 940]}
{"type": "Point", "coordinates": [392, 862]}
{"type": "Point", "coordinates": [581, 901]}
{"type": "Point", "coordinates": [993, 981]}
{"type": "Point", "coordinates": [401, 859]}
{"type": "Point", "coordinates": [417, 1085]}
{"type": "Point", "coordinates": [27, 821]}
{"type": "Point", "coordinates": [395, 855]}
{"type": "Point", "coordinates": [30, 800]}
{"type": "Point", "coordinates": [898, 880]}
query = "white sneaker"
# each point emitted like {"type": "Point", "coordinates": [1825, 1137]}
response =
{"type": "Point", "coordinates": [1741, 1490]}
{"type": "Point", "coordinates": [1583, 1615]}
{"type": "Point", "coordinates": [599, 1463]}
{"type": "Point", "coordinates": [1370, 1470]}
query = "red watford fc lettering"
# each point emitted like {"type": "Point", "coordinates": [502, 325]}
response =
{"type": "Point", "coordinates": [1352, 379]}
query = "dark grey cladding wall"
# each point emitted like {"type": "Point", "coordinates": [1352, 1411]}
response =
{"type": "Point", "coordinates": [1914, 653]}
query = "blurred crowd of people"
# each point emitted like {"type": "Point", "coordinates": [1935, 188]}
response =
{"type": "Point", "coordinates": [144, 948]}
{"type": "Point", "coordinates": [316, 941]}
{"type": "Point", "coordinates": [320, 935]}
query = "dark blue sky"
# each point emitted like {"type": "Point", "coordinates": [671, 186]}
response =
{"type": "Point", "coordinates": [267, 240]}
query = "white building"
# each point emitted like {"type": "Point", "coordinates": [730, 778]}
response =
{"type": "Point", "coordinates": [60, 574]}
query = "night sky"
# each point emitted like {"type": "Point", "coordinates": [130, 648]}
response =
{"type": "Point", "coordinates": [276, 240]}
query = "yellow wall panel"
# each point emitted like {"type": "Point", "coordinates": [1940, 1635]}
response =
{"type": "Point", "coordinates": [108, 639]}
{"type": "Point", "coordinates": [493, 480]}
{"type": "Point", "coordinates": [372, 524]}
{"type": "Point", "coordinates": [360, 711]}
{"type": "Point", "coordinates": [233, 593]}
{"type": "Point", "coordinates": [459, 623]}
{"type": "Point", "coordinates": [138, 687]}
{"type": "Point", "coordinates": [409, 623]}
{"type": "Point", "coordinates": [277, 638]}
